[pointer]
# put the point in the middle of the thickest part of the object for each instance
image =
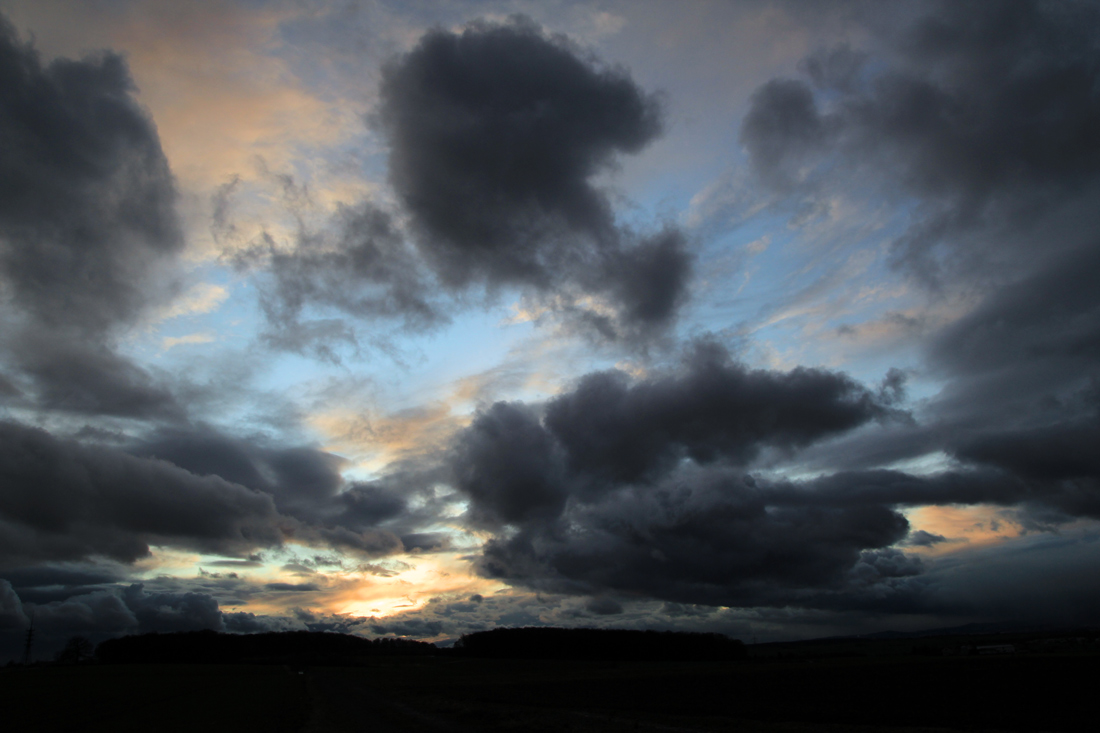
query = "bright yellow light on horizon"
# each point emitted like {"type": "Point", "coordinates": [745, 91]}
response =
{"type": "Point", "coordinates": [428, 577]}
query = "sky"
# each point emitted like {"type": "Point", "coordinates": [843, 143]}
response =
{"type": "Point", "coordinates": [772, 318]}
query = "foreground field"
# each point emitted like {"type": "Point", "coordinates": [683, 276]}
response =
{"type": "Point", "coordinates": [1024, 693]}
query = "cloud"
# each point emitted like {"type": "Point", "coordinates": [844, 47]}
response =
{"type": "Point", "coordinates": [65, 501]}
{"type": "Point", "coordinates": [714, 409]}
{"type": "Point", "coordinates": [921, 538]}
{"type": "Point", "coordinates": [88, 378]}
{"type": "Point", "coordinates": [361, 268]}
{"type": "Point", "coordinates": [640, 487]}
{"type": "Point", "coordinates": [293, 587]}
{"type": "Point", "coordinates": [306, 484]}
{"type": "Point", "coordinates": [495, 134]}
{"type": "Point", "coordinates": [981, 112]}
{"type": "Point", "coordinates": [203, 337]}
{"type": "Point", "coordinates": [518, 465]}
{"type": "Point", "coordinates": [88, 227]}
{"type": "Point", "coordinates": [697, 537]}
{"type": "Point", "coordinates": [128, 609]}
{"type": "Point", "coordinates": [87, 218]}
{"type": "Point", "coordinates": [201, 298]}
{"type": "Point", "coordinates": [976, 119]}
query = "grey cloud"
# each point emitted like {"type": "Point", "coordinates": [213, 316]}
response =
{"type": "Point", "coordinates": [90, 379]}
{"type": "Point", "coordinates": [982, 111]}
{"type": "Point", "coordinates": [638, 487]}
{"type": "Point", "coordinates": [510, 466]}
{"type": "Point", "coordinates": [495, 133]}
{"type": "Point", "coordinates": [414, 627]}
{"type": "Point", "coordinates": [1058, 498]}
{"type": "Point", "coordinates": [835, 68]}
{"type": "Point", "coordinates": [364, 270]}
{"type": "Point", "coordinates": [782, 127]}
{"type": "Point", "coordinates": [87, 215]}
{"type": "Point", "coordinates": [45, 583]}
{"type": "Point", "coordinates": [245, 622]}
{"type": "Point", "coordinates": [978, 117]}
{"type": "Point", "coordinates": [921, 538]}
{"type": "Point", "coordinates": [517, 465]}
{"type": "Point", "coordinates": [603, 606]}
{"type": "Point", "coordinates": [102, 614]}
{"type": "Point", "coordinates": [293, 587]}
{"type": "Point", "coordinates": [88, 228]}
{"type": "Point", "coordinates": [426, 541]}
{"type": "Point", "coordinates": [306, 484]}
{"type": "Point", "coordinates": [11, 608]}
{"type": "Point", "coordinates": [713, 409]}
{"type": "Point", "coordinates": [65, 501]}
{"type": "Point", "coordinates": [621, 487]}
{"type": "Point", "coordinates": [1048, 321]}
{"type": "Point", "coordinates": [706, 541]}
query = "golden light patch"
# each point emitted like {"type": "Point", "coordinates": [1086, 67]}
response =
{"type": "Point", "coordinates": [411, 589]}
{"type": "Point", "coordinates": [168, 561]}
{"type": "Point", "coordinates": [963, 526]}
{"type": "Point", "coordinates": [378, 440]}
{"type": "Point", "coordinates": [416, 580]}
{"type": "Point", "coordinates": [202, 298]}
{"type": "Point", "coordinates": [218, 97]}
{"type": "Point", "coordinates": [202, 337]}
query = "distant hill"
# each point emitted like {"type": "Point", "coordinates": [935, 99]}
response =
{"type": "Point", "coordinates": [606, 644]}
{"type": "Point", "coordinates": [211, 647]}
{"type": "Point", "coordinates": [973, 629]}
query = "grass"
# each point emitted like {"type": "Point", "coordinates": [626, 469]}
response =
{"type": "Point", "coordinates": [154, 698]}
{"type": "Point", "coordinates": [1017, 693]}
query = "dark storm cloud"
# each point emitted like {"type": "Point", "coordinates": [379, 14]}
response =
{"type": "Point", "coordinates": [709, 536]}
{"type": "Point", "coordinates": [88, 229]}
{"type": "Point", "coordinates": [921, 538]}
{"type": "Point", "coordinates": [983, 111]}
{"type": "Point", "coordinates": [782, 127]}
{"type": "Point", "coordinates": [715, 409]}
{"type": "Point", "coordinates": [510, 466]}
{"type": "Point", "coordinates": [415, 628]}
{"type": "Point", "coordinates": [980, 116]}
{"type": "Point", "coordinates": [495, 134]}
{"type": "Point", "coordinates": [86, 196]}
{"type": "Point", "coordinates": [1049, 320]}
{"type": "Point", "coordinates": [101, 614]}
{"type": "Point", "coordinates": [372, 518]}
{"type": "Point", "coordinates": [91, 379]}
{"type": "Point", "coordinates": [706, 539]}
{"type": "Point", "coordinates": [65, 501]}
{"type": "Point", "coordinates": [639, 487]}
{"type": "Point", "coordinates": [518, 466]}
{"type": "Point", "coordinates": [45, 583]}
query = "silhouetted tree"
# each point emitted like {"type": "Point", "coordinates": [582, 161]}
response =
{"type": "Point", "coordinates": [210, 647]}
{"type": "Point", "coordinates": [76, 650]}
{"type": "Point", "coordinates": [610, 644]}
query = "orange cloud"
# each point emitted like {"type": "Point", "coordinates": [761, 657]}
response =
{"type": "Point", "coordinates": [963, 526]}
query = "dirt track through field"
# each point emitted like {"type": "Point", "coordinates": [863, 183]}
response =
{"type": "Point", "coordinates": [346, 703]}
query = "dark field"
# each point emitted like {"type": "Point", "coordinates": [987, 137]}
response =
{"type": "Point", "coordinates": [1024, 693]}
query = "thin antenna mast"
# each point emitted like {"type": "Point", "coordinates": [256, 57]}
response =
{"type": "Point", "coordinates": [30, 638]}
